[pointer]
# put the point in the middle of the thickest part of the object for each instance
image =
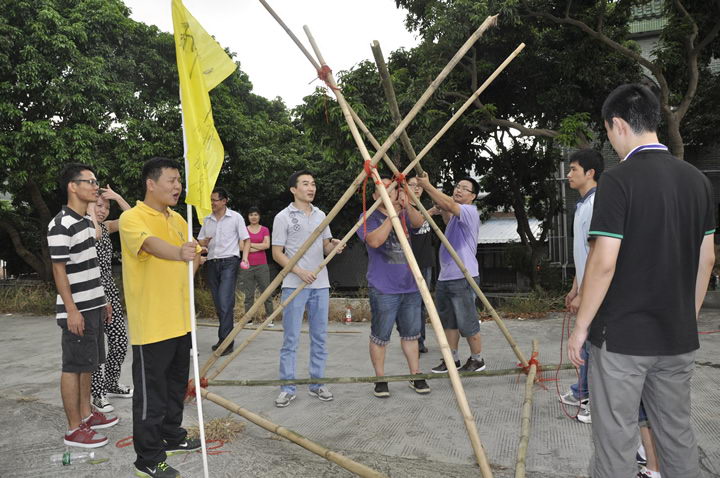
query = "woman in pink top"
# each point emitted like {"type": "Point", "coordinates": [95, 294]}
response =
{"type": "Point", "coordinates": [258, 275]}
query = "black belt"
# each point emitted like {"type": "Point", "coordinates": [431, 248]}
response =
{"type": "Point", "coordinates": [224, 259]}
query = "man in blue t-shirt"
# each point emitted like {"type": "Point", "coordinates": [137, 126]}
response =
{"type": "Point", "coordinates": [394, 296]}
{"type": "Point", "coordinates": [454, 297]}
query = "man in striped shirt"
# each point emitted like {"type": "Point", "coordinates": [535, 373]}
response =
{"type": "Point", "coordinates": [80, 306]}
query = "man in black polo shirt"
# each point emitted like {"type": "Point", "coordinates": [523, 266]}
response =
{"type": "Point", "coordinates": [647, 274]}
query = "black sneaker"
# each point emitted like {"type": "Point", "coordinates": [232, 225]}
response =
{"type": "Point", "coordinates": [420, 386]}
{"type": "Point", "coordinates": [442, 368]}
{"type": "Point", "coordinates": [161, 470]}
{"type": "Point", "coordinates": [422, 349]}
{"type": "Point", "coordinates": [381, 390]}
{"type": "Point", "coordinates": [227, 351]}
{"type": "Point", "coordinates": [473, 365]}
{"type": "Point", "coordinates": [215, 347]}
{"type": "Point", "coordinates": [187, 445]}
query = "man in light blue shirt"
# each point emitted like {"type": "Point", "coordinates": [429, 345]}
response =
{"type": "Point", "coordinates": [225, 234]}
{"type": "Point", "coordinates": [586, 166]}
{"type": "Point", "coordinates": [291, 228]}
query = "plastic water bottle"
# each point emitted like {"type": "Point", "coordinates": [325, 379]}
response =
{"type": "Point", "coordinates": [72, 458]}
{"type": "Point", "coordinates": [348, 315]}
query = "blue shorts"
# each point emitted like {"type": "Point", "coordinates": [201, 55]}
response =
{"type": "Point", "coordinates": [455, 302]}
{"type": "Point", "coordinates": [388, 309]}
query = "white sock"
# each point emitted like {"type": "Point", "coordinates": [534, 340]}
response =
{"type": "Point", "coordinates": [70, 432]}
{"type": "Point", "coordinates": [477, 357]}
{"type": "Point", "coordinates": [650, 473]}
{"type": "Point", "coordinates": [456, 356]}
{"type": "Point", "coordinates": [88, 418]}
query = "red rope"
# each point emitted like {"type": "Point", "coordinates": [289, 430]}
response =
{"type": "Point", "coordinates": [565, 329]}
{"type": "Point", "coordinates": [400, 179]}
{"type": "Point", "coordinates": [323, 73]}
{"type": "Point", "coordinates": [709, 332]}
{"type": "Point", "coordinates": [190, 392]}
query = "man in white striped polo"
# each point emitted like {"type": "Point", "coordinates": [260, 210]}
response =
{"type": "Point", "coordinates": [80, 307]}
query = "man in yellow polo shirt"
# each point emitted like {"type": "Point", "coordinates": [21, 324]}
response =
{"type": "Point", "coordinates": [155, 253]}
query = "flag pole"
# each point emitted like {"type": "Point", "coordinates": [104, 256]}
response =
{"type": "Point", "coordinates": [193, 325]}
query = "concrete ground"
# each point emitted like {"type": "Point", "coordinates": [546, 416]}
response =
{"type": "Point", "coordinates": [407, 435]}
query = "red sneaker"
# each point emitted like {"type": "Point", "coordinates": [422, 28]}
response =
{"type": "Point", "coordinates": [85, 437]}
{"type": "Point", "coordinates": [99, 420]}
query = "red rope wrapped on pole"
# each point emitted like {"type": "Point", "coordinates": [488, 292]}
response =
{"type": "Point", "coordinates": [190, 392]}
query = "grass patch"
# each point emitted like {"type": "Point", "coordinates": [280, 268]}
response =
{"type": "Point", "coordinates": [533, 306]}
{"type": "Point", "coordinates": [225, 429]}
{"type": "Point", "coordinates": [37, 299]}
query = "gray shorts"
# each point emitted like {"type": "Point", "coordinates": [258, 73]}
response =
{"type": "Point", "coordinates": [455, 302]}
{"type": "Point", "coordinates": [83, 354]}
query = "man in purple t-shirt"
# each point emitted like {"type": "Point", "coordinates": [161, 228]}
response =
{"type": "Point", "coordinates": [454, 298]}
{"type": "Point", "coordinates": [394, 296]}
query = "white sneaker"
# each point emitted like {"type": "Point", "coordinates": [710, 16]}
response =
{"type": "Point", "coordinates": [322, 393]}
{"type": "Point", "coordinates": [284, 399]}
{"type": "Point", "coordinates": [121, 391]}
{"type": "Point", "coordinates": [102, 404]}
{"type": "Point", "coordinates": [271, 324]}
{"type": "Point", "coordinates": [583, 415]}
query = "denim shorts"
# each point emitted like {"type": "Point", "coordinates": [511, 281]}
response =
{"type": "Point", "coordinates": [83, 354]}
{"type": "Point", "coordinates": [455, 302]}
{"type": "Point", "coordinates": [388, 309]}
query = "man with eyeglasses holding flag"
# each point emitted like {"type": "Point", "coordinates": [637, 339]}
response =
{"type": "Point", "coordinates": [454, 297]}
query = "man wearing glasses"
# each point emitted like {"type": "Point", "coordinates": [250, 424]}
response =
{"type": "Point", "coordinates": [81, 307]}
{"type": "Point", "coordinates": [454, 297]}
{"type": "Point", "coordinates": [225, 235]}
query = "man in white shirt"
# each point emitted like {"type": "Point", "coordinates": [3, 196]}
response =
{"type": "Point", "coordinates": [225, 235]}
{"type": "Point", "coordinates": [586, 165]}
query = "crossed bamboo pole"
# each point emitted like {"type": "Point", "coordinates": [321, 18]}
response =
{"type": "Point", "coordinates": [525, 420]}
{"type": "Point", "coordinates": [409, 150]}
{"type": "Point", "coordinates": [397, 225]}
{"type": "Point", "coordinates": [490, 21]}
{"type": "Point", "coordinates": [414, 163]}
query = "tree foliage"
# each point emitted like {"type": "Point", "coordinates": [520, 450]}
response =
{"type": "Point", "coordinates": [81, 81]}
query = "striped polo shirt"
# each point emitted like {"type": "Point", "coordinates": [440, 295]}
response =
{"type": "Point", "coordinates": [71, 238]}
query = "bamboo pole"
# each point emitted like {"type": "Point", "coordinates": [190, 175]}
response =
{"type": "Point", "coordinates": [451, 250]}
{"type": "Point", "coordinates": [392, 102]}
{"type": "Point", "coordinates": [384, 378]}
{"type": "Point", "coordinates": [410, 166]}
{"type": "Point", "coordinates": [490, 21]}
{"type": "Point", "coordinates": [410, 151]}
{"type": "Point", "coordinates": [417, 274]}
{"type": "Point", "coordinates": [525, 420]}
{"type": "Point", "coordinates": [350, 465]}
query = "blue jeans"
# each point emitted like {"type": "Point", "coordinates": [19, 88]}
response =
{"type": "Point", "coordinates": [580, 389]}
{"type": "Point", "coordinates": [388, 309]}
{"type": "Point", "coordinates": [455, 302]}
{"type": "Point", "coordinates": [222, 278]}
{"type": "Point", "coordinates": [317, 302]}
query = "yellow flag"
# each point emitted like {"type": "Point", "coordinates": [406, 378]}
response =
{"type": "Point", "coordinates": [202, 65]}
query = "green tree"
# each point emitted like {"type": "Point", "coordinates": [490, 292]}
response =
{"type": "Point", "coordinates": [687, 44]}
{"type": "Point", "coordinates": [70, 76]}
{"type": "Point", "coordinates": [82, 81]}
